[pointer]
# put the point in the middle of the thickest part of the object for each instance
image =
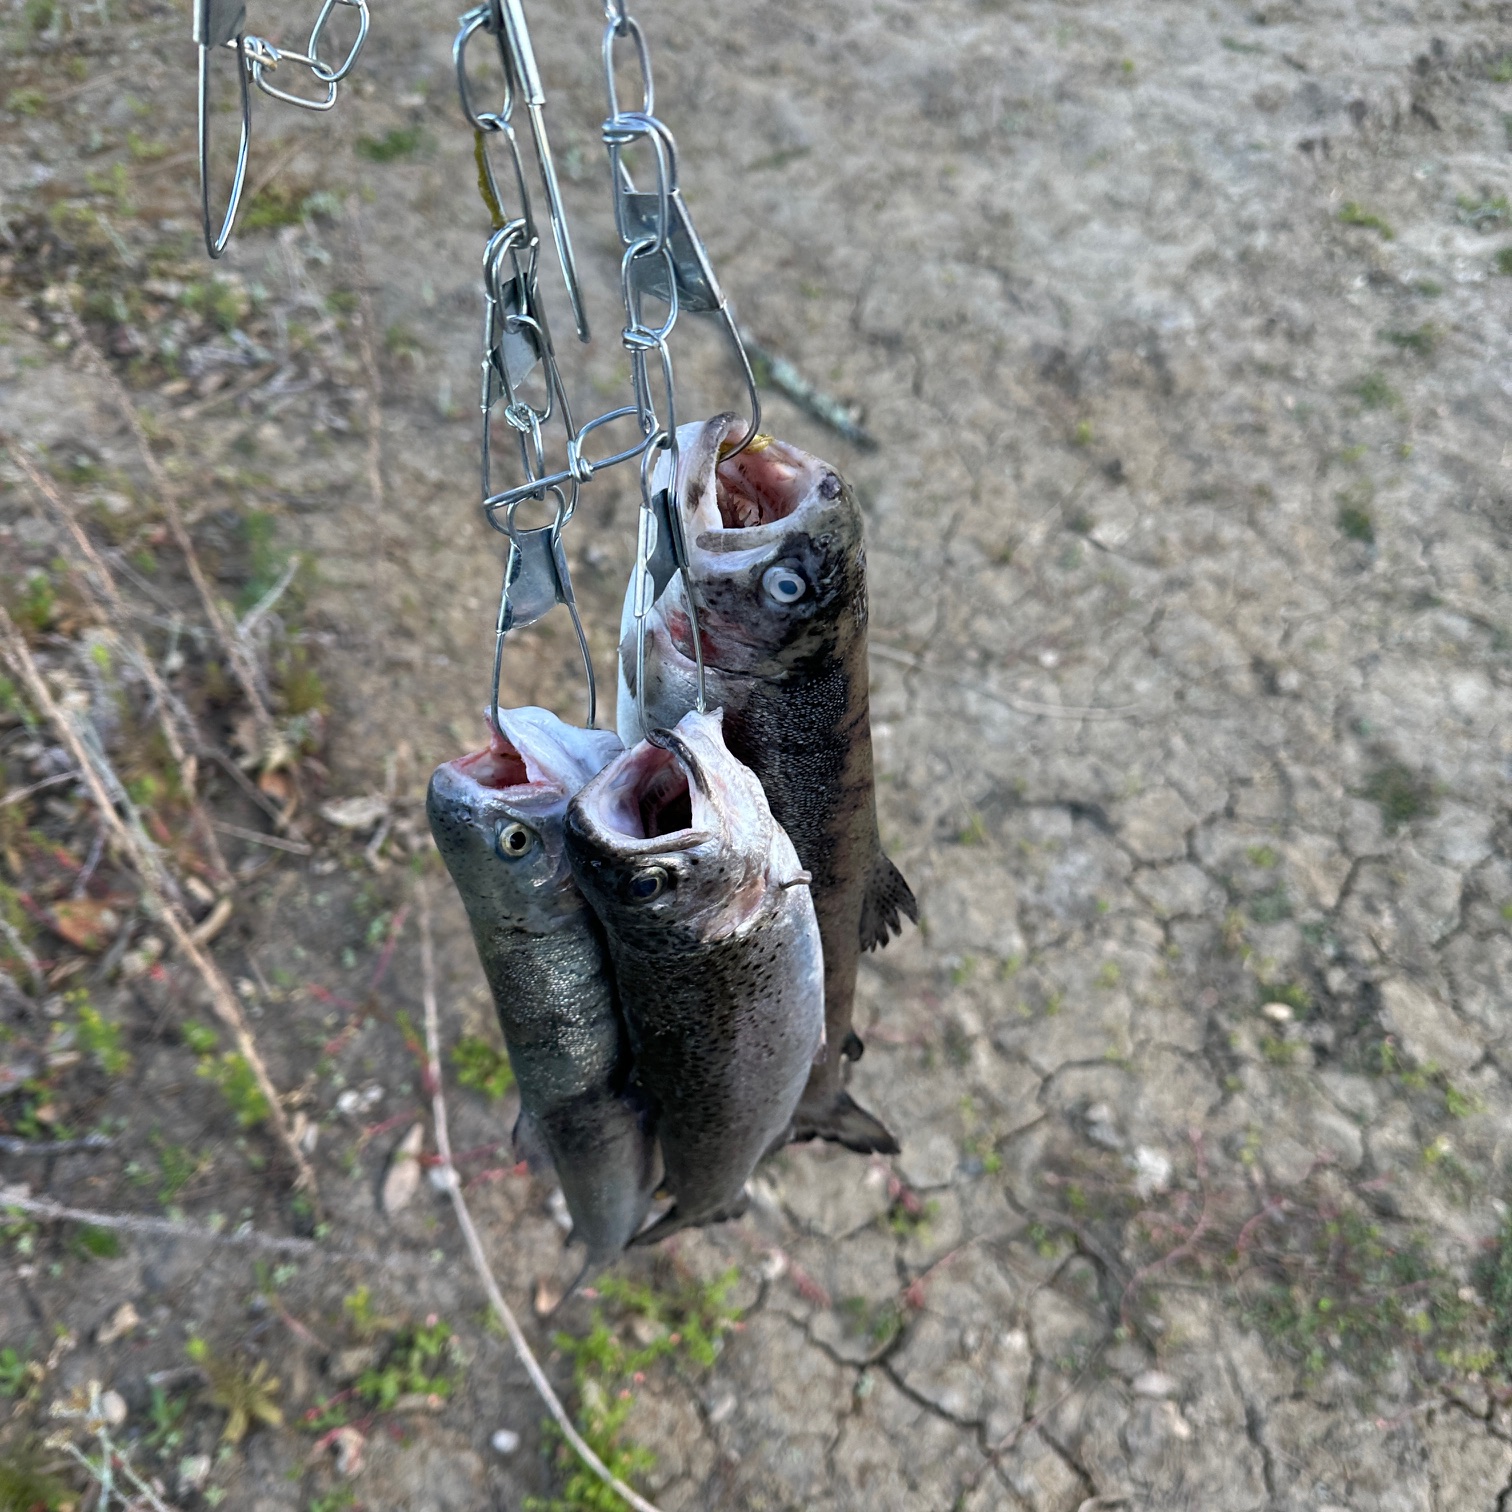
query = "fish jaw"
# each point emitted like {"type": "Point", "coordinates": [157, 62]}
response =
{"type": "Point", "coordinates": [514, 792]}
{"type": "Point", "coordinates": [676, 813]}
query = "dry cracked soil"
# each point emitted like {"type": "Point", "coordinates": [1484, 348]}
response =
{"type": "Point", "coordinates": [1183, 331]}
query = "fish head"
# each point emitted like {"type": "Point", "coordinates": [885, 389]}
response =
{"type": "Point", "coordinates": [776, 560]}
{"type": "Point", "coordinates": [496, 816]}
{"type": "Point", "coordinates": [675, 838]}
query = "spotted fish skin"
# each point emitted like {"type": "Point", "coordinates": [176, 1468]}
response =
{"type": "Point", "coordinates": [497, 818]}
{"type": "Point", "coordinates": [777, 567]}
{"type": "Point", "coordinates": [716, 951]}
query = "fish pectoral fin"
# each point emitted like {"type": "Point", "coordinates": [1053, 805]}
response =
{"type": "Point", "coordinates": [672, 1221]}
{"type": "Point", "coordinates": [530, 1146]}
{"type": "Point", "coordinates": [889, 899]}
{"type": "Point", "coordinates": [669, 1223]}
{"type": "Point", "coordinates": [846, 1122]}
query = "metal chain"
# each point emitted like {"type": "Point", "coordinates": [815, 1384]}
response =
{"type": "Point", "coordinates": [663, 262]}
{"type": "Point", "coordinates": [223, 24]}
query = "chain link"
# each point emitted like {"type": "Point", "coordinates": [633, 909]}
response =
{"type": "Point", "coordinates": [664, 272]}
{"type": "Point", "coordinates": [221, 24]}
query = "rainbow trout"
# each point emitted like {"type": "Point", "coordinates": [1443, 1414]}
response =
{"type": "Point", "coordinates": [716, 952]}
{"type": "Point", "coordinates": [778, 570]}
{"type": "Point", "coordinates": [497, 819]}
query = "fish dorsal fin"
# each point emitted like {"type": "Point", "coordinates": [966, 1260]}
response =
{"type": "Point", "coordinates": [888, 900]}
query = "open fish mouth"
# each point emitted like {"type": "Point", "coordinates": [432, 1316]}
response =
{"type": "Point", "coordinates": [759, 486]}
{"type": "Point", "coordinates": [531, 757]}
{"type": "Point", "coordinates": [647, 801]}
{"type": "Point", "coordinates": [498, 766]}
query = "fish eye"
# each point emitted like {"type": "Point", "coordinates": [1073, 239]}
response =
{"type": "Point", "coordinates": [513, 840]}
{"type": "Point", "coordinates": [649, 884]}
{"type": "Point", "coordinates": [783, 585]}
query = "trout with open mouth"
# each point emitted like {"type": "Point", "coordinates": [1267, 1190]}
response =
{"type": "Point", "coordinates": [497, 818]}
{"type": "Point", "coordinates": [716, 952]}
{"type": "Point", "coordinates": [778, 574]}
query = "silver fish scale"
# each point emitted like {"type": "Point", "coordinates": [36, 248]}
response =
{"type": "Point", "coordinates": [722, 1040]}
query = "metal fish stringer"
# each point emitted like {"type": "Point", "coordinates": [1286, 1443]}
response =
{"type": "Point", "coordinates": [222, 24]}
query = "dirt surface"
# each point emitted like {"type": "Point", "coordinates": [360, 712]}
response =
{"type": "Point", "coordinates": [1183, 334]}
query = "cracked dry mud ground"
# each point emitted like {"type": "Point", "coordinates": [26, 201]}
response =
{"type": "Point", "coordinates": [1181, 328]}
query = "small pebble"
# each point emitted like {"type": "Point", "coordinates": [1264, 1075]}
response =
{"type": "Point", "coordinates": [349, 1101]}
{"type": "Point", "coordinates": [721, 1407]}
{"type": "Point", "coordinates": [113, 1408]}
{"type": "Point", "coordinates": [122, 1321]}
{"type": "Point", "coordinates": [193, 1472]}
{"type": "Point", "coordinates": [442, 1178]}
{"type": "Point", "coordinates": [1155, 1383]}
{"type": "Point", "coordinates": [505, 1441]}
{"type": "Point", "coordinates": [1277, 1013]}
{"type": "Point", "coordinates": [556, 1205]}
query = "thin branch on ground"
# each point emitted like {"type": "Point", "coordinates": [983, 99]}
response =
{"type": "Point", "coordinates": [13, 1144]}
{"type": "Point", "coordinates": [173, 719]}
{"type": "Point", "coordinates": [242, 666]}
{"type": "Point", "coordinates": [253, 617]}
{"type": "Point", "coordinates": [161, 888]}
{"type": "Point", "coordinates": [470, 1232]}
{"type": "Point", "coordinates": [374, 384]}
{"type": "Point", "coordinates": [143, 1227]}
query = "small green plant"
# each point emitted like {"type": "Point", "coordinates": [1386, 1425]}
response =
{"type": "Point", "coordinates": [1355, 521]}
{"type": "Point", "coordinates": [166, 1416]}
{"type": "Point", "coordinates": [400, 142]}
{"type": "Point", "coordinates": [1278, 1051]}
{"type": "Point", "coordinates": [481, 1067]}
{"type": "Point", "coordinates": [414, 1367]}
{"type": "Point", "coordinates": [97, 1035]}
{"type": "Point", "coordinates": [1504, 262]}
{"type": "Point", "coordinates": [223, 304]}
{"type": "Point", "coordinates": [37, 606]}
{"type": "Point", "coordinates": [1400, 794]}
{"type": "Point", "coordinates": [1500, 72]}
{"type": "Point", "coordinates": [14, 1373]}
{"type": "Point", "coordinates": [90, 1243]}
{"type": "Point", "coordinates": [1352, 213]}
{"type": "Point", "coordinates": [247, 1397]}
{"type": "Point", "coordinates": [691, 1320]}
{"type": "Point", "coordinates": [337, 1500]}
{"type": "Point", "coordinates": [1373, 391]}
{"type": "Point", "coordinates": [29, 1481]}
{"type": "Point", "coordinates": [1494, 1279]}
{"type": "Point", "coordinates": [974, 831]}
{"type": "Point", "coordinates": [1271, 906]}
{"type": "Point", "coordinates": [1486, 212]}
{"type": "Point", "coordinates": [877, 1322]}
{"type": "Point", "coordinates": [1421, 340]}
{"type": "Point", "coordinates": [26, 102]}
{"type": "Point", "coordinates": [1262, 856]}
{"type": "Point", "coordinates": [238, 1085]}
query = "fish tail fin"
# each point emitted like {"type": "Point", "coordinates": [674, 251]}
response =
{"type": "Point", "coordinates": [847, 1123]}
{"type": "Point", "coordinates": [889, 899]}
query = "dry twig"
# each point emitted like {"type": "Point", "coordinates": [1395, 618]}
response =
{"type": "Point", "coordinates": [374, 387]}
{"type": "Point", "coordinates": [160, 886]}
{"type": "Point", "coordinates": [475, 1244]}
{"type": "Point", "coordinates": [236, 653]}
{"type": "Point", "coordinates": [173, 720]}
